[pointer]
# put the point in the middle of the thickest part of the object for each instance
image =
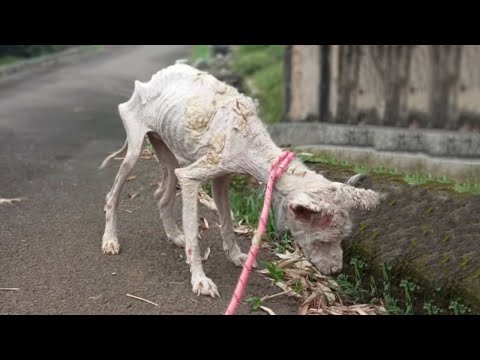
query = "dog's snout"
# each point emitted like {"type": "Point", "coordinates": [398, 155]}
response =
{"type": "Point", "coordinates": [335, 270]}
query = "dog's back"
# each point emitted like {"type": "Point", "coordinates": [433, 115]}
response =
{"type": "Point", "coordinates": [186, 108]}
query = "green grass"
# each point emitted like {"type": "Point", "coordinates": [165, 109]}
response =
{"type": "Point", "coordinates": [400, 296]}
{"type": "Point", "coordinates": [255, 302]}
{"type": "Point", "coordinates": [418, 179]}
{"type": "Point", "coordinates": [5, 60]}
{"type": "Point", "coordinates": [40, 50]}
{"type": "Point", "coordinates": [199, 52]}
{"type": "Point", "coordinates": [262, 66]}
{"type": "Point", "coordinates": [246, 202]}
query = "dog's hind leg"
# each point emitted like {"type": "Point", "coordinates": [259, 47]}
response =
{"type": "Point", "coordinates": [165, 194]}
{"type": "Point", "coordinates": [230, 246]}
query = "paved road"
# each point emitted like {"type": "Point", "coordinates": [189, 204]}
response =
{"type": "Point", "coordinates": [56, 126]}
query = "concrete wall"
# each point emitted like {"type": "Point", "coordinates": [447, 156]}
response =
{"type": "Point", "coordinates": [408, 86]}
{"type": "Point", "coordinates": [378, 89]}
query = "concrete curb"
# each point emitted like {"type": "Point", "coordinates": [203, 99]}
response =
{"type": "Point", "coordinates": [435, 143]}
{"type": "Point", "coordinates": [441, 153]}
{"type": "Point", "coordinates": [47, 60]}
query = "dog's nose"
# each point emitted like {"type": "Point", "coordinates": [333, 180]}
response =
{"type": "Point", "coordinates": [335, 270]}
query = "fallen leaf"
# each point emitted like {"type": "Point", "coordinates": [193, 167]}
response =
{"type": "Point", "coordinates": [206, 200]}
{"type": "Point", "coordinates": [206, 223]}
{"type": "Point", "coordinates": [133, 196]}
{"type": "Point", "coordinates": [243, 229]}
{"type": "Point", "coordinates": [207, 253]}
{"type": "Point", "coordinates": [130, 178]}
{"type": "Point", "coordinates": [268, 310]}
{"type": "Point", "coordinates": [10, 201]}
{"type": "Point", "coordinates": [303, 310]}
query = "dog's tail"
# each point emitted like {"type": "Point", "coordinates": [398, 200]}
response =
{"type": "Point", "coordinates": [115, 154]}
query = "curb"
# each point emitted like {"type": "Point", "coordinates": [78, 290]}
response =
{"type": "Point", "coordinates": [47, 60]}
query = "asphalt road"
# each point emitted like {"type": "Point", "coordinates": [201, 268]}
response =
{"type": "Point", "coordinates": [56, 126]}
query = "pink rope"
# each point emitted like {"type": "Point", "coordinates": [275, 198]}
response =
{"type": "Point", "coordinates": [277, 168]}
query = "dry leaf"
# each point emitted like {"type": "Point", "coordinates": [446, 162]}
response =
{"type": "Point", "coordinates": [268, 310]}
{"type": "Point", "coordinates": [206, 200]}
{"type": "Point", "coordinates": [133, 196]}
{"type": "Point", "coordinates": [242, 229]}
{"type": "Point", "coordinates": [10, 201]}
{"type": "Point", "coordinates": [207, 253]}
{"type": "Point", "coordinates": [206, 223]}
{"type": "Point", "coordinates": [303, 310]}
{"type": "Point", "coordinates": [130, 178]}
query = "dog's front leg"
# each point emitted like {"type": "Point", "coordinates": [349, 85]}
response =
{"type": "Point", "coordinates": [190, 179]}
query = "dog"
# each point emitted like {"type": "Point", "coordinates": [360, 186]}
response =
{"type": "Point", "coordinates": [203, 130]}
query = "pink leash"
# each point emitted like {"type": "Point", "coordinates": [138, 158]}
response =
{"type": "Point", "coordinates": [277, 168]}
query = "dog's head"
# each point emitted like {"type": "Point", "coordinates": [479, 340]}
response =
{"type": "Point", "coordinates": [319, 220]}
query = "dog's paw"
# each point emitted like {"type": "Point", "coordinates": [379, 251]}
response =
{"type": "Point", "coordinates": [204, 286]}
{"type": "Point", "coordinates": [110, 246]}
{"type": "Point", "coordinates": [239, 260]}
{"type": "Point", "coordinates": [179, 240]}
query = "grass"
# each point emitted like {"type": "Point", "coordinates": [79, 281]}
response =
{"type": "Point", "coordinates": [262, 66]}
{"type": "Point", "coordinates": [246, 202]}
{"type": "Point", "coordinates": [5, 60]}
{"type": "Point", "coordinates": [43, 51]}
{"type": "Point", "coordinates": [254, 302]}
{"type": "Point", "coordinates": [199, 52]}
{"type": "Point", "coordinates": [417, 179]}
{"type": "Point", "coordinates": [400, 296]}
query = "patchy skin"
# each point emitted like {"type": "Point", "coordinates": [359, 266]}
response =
{"type": "Point", "coordinates": [204, 130]}
{"type": "Point", "coordinates": [197, 117]}
{"type": "Point", "coordinates": [216, 146]}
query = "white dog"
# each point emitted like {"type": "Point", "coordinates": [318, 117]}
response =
{"type": "Point", "coordinates": [204, 130]}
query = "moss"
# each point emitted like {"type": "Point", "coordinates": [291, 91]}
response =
{"type": "Point", "coordinates": [465, 260]}
{"type": "Point", "coordinates": [426, 229]}
{"type": "Point", "coordinates": [445, 259]}
{"type": "Point", "coordinates": [362, 226]}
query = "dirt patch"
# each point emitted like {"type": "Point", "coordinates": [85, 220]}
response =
{"type": "Point", "coordinates": [428, 233]}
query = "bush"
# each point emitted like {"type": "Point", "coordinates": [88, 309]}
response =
{"type": "Point", "coordinates": [263, 65]}
{"type": "Point", "coordinates": [28, 51]}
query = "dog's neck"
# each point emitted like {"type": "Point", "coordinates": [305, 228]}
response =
{"type": "Point", "coordinates": [296, 177]}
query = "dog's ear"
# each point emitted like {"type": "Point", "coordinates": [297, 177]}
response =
{"type": "Point", "coordinates": [304, 207]}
